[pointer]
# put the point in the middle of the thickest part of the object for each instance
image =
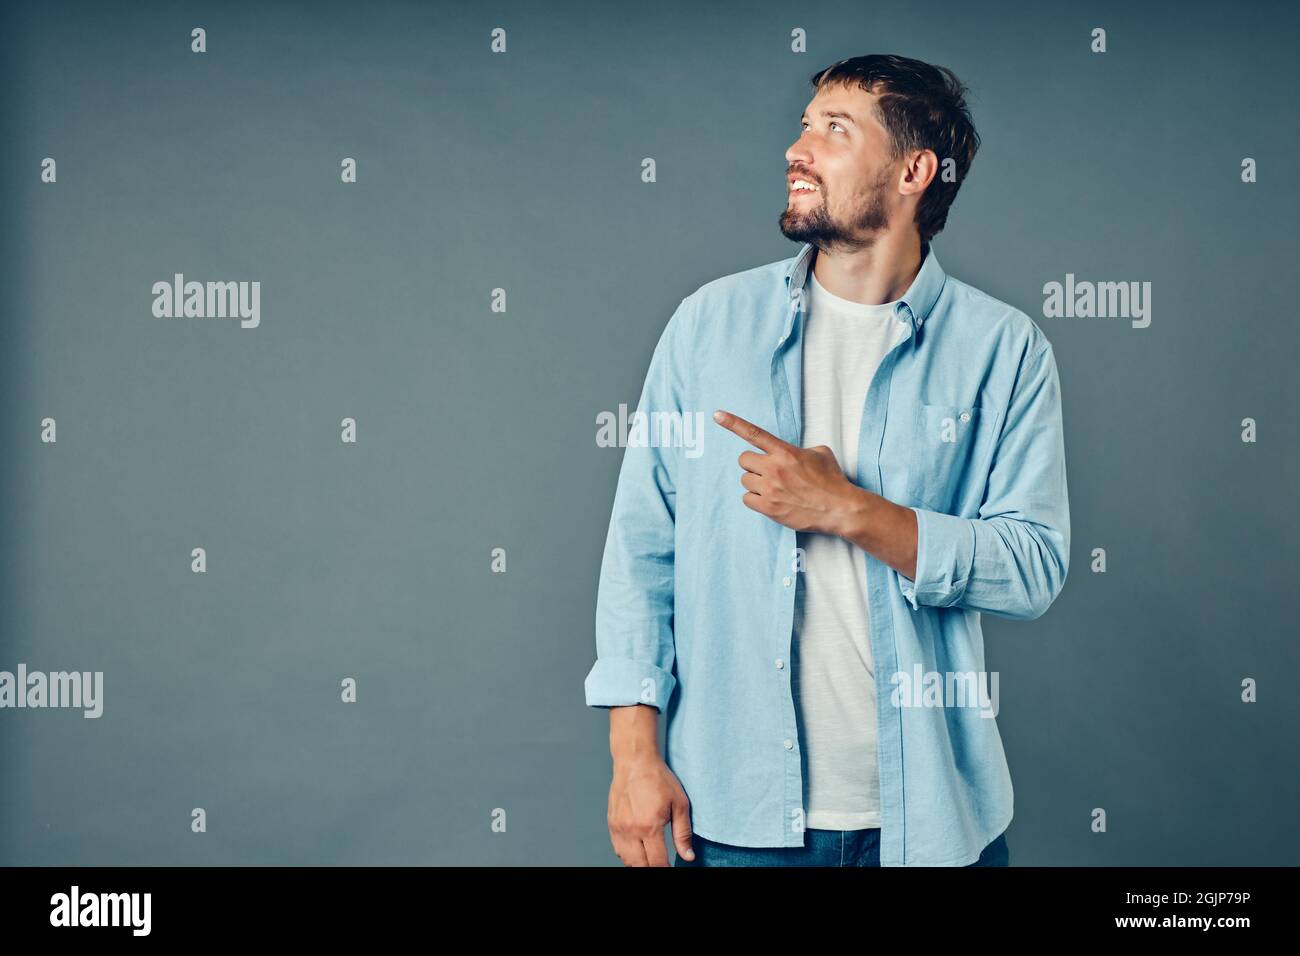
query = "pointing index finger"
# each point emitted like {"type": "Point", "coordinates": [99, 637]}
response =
{"type": "Point", "coordinates": [749, 431]}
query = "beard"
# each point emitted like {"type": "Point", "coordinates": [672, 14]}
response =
{"type": "Point", "coordinates": [816, 225]}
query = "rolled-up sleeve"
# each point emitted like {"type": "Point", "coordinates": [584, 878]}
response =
{"type": "Point", "coordinates": [635, 596]}
{"type": "Point", "coordinates": [1012, 560]}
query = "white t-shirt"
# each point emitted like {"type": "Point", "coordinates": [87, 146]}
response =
{"type": "Point", "coordinates": [832, 672]}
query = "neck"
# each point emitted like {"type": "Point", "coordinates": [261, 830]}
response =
{"type": "Point", "coordinates": [875, 274]}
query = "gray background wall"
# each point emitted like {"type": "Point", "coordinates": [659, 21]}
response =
{"type": "Point", "coordinates": [476, 429]}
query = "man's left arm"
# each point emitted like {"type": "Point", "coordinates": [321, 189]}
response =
{"type": "Point", "coordinates": [1012, 560]}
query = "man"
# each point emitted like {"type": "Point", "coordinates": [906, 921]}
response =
{"type": "Point", "coordinates": [888, 465]}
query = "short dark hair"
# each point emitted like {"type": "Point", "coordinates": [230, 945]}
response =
{"type": "Point", "coordinates": [923, 107]}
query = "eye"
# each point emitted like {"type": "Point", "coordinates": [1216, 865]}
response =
{"type": "Point", "coordinates": [803, 125]}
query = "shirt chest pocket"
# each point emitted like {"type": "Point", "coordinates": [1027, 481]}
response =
{"type": "Point", "coordinates": [950, 451]}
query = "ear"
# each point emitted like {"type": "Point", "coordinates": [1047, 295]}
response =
{"type": "Point", "coordinates": [922, 166]}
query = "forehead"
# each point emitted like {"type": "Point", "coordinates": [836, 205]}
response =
{"type": "Point", "coordinates": [852, 100]}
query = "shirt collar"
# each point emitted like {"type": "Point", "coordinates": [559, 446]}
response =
{"type": "Point", "coordinates": [913, 306]}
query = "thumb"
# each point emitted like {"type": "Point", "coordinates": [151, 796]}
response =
{"type": "Point", "coordinates": [682, 828]}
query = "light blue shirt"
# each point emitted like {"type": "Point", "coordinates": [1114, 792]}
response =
{"type": "Point", "coordinates": [694, 612]}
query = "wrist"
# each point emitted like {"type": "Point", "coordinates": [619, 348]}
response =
{"type": "Point", "coordinates": [854, 519]}
{"type": "Point", "coordinates": [634, 733]}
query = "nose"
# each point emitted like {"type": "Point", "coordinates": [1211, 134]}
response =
{"type": "Point", "coordinates": [798, 154]}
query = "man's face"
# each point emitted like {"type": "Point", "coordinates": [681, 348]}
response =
{"type": "Point", "coordinates": [843, 151]}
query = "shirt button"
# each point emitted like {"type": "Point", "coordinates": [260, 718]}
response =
{"type": "Point", "coordinates": [780, 664]}
{"type": "Point", "coordinates": [965, 416]}
{"type": "Point", "coordinates": [786, 581]}
{"type": "Point", "coordinates": [789, 744]}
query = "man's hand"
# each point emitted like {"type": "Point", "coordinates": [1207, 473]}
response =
{"type": "Point", "coordinates": [644, 796]}
{"type": "Point", "coordinates": [805, 489]}
{"type": "Point", "coordinates": [801, 488]}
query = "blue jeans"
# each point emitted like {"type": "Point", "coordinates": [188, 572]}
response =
{"type": "Point", "coordinates": [821, 848]}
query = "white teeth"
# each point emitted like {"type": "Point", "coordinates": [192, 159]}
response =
{"type": "Point", "coordinates": [802, 185]}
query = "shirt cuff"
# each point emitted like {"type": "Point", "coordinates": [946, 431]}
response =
{"type": "Point", "coordinates": [617, 682]}
{"type": "Point", "coordinates": [945, 552]}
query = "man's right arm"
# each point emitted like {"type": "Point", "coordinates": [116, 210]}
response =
{"type": "Point", "coordinates": [633, 674]}
{"type": "Point", "coordinates": [634, 599]}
